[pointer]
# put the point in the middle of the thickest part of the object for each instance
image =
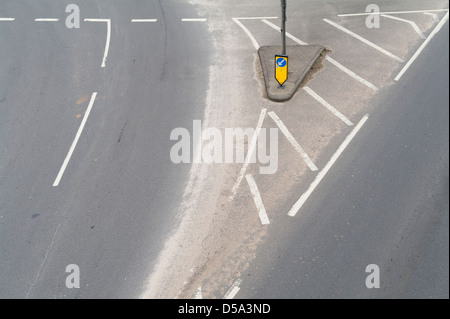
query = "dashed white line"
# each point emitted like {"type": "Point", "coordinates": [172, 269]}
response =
{"type": "Point", "coordinates": [293, 142]}
{"type": "Point", "coordinates": [389, 12]}
{"type": "Point", "coordinates": [424, 44]}
{"type": "Point", "coordinates": [251, 149]}
{"type": "Point", "coordinates": [144, 20]}
{"type": "Point", "coordinates": [194, 20]}
{"type": "Point", "coordinates": [331, 60]}
{"type": "Point", "coordinates": [328, 106]}
{"type": "Point", "coordinates": [108, 37]}
{"type": "Point", "coordinates": [412, 23]}
{"type": "Point", "coordinates": [7, 19]}
{"type": "Point", "coordinates": [46, 20]}
{"type": "Point", "coordinates": [360, 38]}
{"type": "Point", "coordinates": [233, 290]}
{"type": "Point", "coordinates": [298, 205]}
{"type": "Point", "coordinates": [258, 200]}
{"type": "Point", "coordinates": [255, 18]}
{"type": "Point", "coordinates": [75, 141]}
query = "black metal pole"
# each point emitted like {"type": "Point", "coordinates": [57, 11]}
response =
{"type": "Point", "coordinates": [283, 26]}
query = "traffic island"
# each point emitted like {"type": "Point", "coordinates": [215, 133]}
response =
{"type": "Point", "coordinates": [301, 60]}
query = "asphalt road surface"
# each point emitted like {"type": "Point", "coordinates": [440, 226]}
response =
{"type": "Point", "coordinates": [86, 177]}
{"type": "Point", "coordinates": [117, 200]}
{"type": "Point", "coordinates": [385, 202]}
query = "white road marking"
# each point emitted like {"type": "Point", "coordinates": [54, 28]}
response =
{"type": "Point", "coordinates": [412, 23]}
{"type": "Point", "coordinates": [298, 205]}
{"type": "Point", "coordinates": [194, 20]}
{"type": "Point", "coordinates": [255, 18]}
{"type": "Point", "coordinates": [251, 149]}
{"type": "Point", "coordinates": [373, 45]}
{"type": "Point", "coordinates": [331, 60]}
{"type": "Point", "coordinates": [390, 12]}
{"type": "Point", "coordinates": [270, 24]}
{"type": "Point", "coordinates": [252, 38]}
{"type": "Point", "coordinates": [293, 142]}
{"type": "Point", "coordinates": [328, 106]}
{"type": "Point", "coordinates": [144, 20]}
{"type": "Point", "coordinates": [233, 290]}
{"type": "Point", "coordinates": [424, 44]}
{"type": "Point", "coordinates": [75, 141]}
{"type": "Point", "coordinates": [352, 74]}
{"type": "Point", "coordinates": [198, 293]}
{"type": "Point", "coordinates": [46, 20]}
{"type": "Point", "coordinates": [433, 15]}
{"type": "Point", "coordinates": [7, 19]}
{"type": "Point", "coordinates": [108, 36]}
{"type": "Point", "coordinates": [258, 200]}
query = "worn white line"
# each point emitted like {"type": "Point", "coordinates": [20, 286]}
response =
{"type": "Point", "coordinates": [337, 64]}
{"type": "Point", "coordinates": [251, 149]}
{"type": "Point", "coordinates": [293, 142]}
{"type": "Point", "coordinates": [198, 293]}
{"type": "Point", "coordinates": [46, 20]}
{"type": "Point", "coordinates": [424, 44]}
{"type": "Point", "coordinates": [433, 15]}
{"type": "Point", "coordinates": [194, 20]}
{"type": "Point", "coordinates": [298, 205]}
{"type": "Point", "coordinates": [75, 141]}
{"type": "Point", "coordinates": [389, 12]}
{"type": "Point", "coordinates": [7, 19]}
{"type": "Point", "coordinates": [360, 38]}
{"type": "Point", "coordinates": [49, 248]}
{"type": "Point", "coordinates": [108, 36]}
{"type": "Point", "coordinates": [331, 108]}
{"type": "Point", "coordinates": [412, 23]}
{"type": "Point", "coordinates": [144, 20]}
{"type": "Point", "coordinates": [233, 290]}
{"type": "Point", "coordinates": [249, 34]}
{"type": "Point", "coordinates": [258, 200]}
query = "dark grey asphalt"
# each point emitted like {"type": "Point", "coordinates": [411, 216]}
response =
{"type": "Point", "coordinates": [384, 202]}
{"type": "Point", "coordinates": [117, 200]}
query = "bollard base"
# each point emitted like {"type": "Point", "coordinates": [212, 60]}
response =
{"type": "Point", "coordinates": [301, 59]}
